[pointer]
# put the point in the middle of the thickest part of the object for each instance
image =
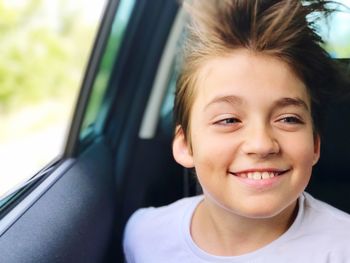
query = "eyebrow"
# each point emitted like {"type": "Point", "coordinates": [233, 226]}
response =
{"type": "Point", "coordinates": [230, 99]}
{"type": "Point", "coordinates": [281, 103]}
{"type": "Point", "coordinates": [285, 102]}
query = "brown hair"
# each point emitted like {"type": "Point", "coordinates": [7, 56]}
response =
{"type": "Point", "coordinates": [275, 27]}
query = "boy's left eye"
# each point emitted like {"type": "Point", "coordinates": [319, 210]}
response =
{"type": "Point", "coordinates": [291, 120]}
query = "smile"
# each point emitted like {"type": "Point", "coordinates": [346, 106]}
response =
{"type": "Point", "coordinates": [259, 175]}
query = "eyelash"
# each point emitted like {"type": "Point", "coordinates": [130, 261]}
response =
{"type": "Point", "coordinates": [228, 121]}
{"type": "Point", "coordinates": [289, 120]}
{"type": "Point", "coordinates": [286, 120]}
{"type": "Point", "coordinates": [292, 120]}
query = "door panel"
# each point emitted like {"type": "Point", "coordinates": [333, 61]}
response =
{"type": "Point", "coordinates": [71, 222]}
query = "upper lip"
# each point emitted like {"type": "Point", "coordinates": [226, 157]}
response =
{"type": "Point", "coordinates": [260, 170]}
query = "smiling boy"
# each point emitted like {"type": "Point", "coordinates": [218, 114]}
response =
{"type": "Point", "coordinates": [248, 112]}
{"type": "Point", "coordinates": [253, 149]}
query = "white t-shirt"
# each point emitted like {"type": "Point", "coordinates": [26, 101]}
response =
{"type": "Point", "coordinates": [320, 233]}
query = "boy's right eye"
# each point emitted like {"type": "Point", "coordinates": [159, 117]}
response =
{"type": "Point", "coordinates": [228, 121]}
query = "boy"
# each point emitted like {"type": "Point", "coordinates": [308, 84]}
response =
{"type": "Point", "coordinates": [248, 108]}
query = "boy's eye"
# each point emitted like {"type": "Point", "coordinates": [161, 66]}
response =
{"type": "Point", "coordinates": [228, 121]}
{"type": "Point", "coordinates": [290, 120]}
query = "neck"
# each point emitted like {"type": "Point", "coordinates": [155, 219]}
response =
{"type": "Point", "coordinates": [218, 231]}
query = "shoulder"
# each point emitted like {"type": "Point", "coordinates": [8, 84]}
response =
{"type": "Point", "coordinates": [325, 210]}
{"type": "Point", "coordinates": [147, 218]}
{"type": "Point", "coordinates": [320, 233]}
{"type": "Point", "coordinates": [151, 226]}
{"type": "Point", "coordinates": [328, 222]}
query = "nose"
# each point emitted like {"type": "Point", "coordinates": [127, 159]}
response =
{"type": "Point", "coordinates": [260, 142]}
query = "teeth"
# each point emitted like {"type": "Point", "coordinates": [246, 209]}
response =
{"type": "Point", "coordinates": [265, 175]}
{"type": "Point", "coordinates": [258, 175]}
{"type": "Point", "coordinates": [243, 175]}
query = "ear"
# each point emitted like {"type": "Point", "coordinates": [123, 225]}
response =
{"type": "Point", "coordinates": [317, 149]}
{"type": "Point", "coordinates": [181, 149]}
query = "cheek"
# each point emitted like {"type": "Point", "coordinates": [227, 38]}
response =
{"type": "Point", "coordinates": [301, 149]}
{"type": "Point", "coordinates": [213, 156]}
{"type": "Point", "coordinates": [213, 148]}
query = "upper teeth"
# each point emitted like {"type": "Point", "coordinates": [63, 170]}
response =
{"type": "Point", "coordinates": [259, 175]}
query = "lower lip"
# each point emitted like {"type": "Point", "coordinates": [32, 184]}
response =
{"type": "Point", "coordinates": [261, 184]}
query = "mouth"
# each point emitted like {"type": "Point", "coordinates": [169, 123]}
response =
{"type": "Point", "coordinates": [260, 174]}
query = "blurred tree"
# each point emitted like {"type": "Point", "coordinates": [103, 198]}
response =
{"type": "Point", "coordinates": [40, 58]}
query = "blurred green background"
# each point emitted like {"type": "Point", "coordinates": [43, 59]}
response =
{"type": "Point", "coordinates": [44, 46]}
{"type": "Point", "coordinates": [44, 50]}
{"type": "Point", "coordinates": [40, 59]}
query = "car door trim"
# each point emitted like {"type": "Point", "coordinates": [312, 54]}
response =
{"type": "Point", "coordinates": [151, 115]}
{"type": "Point", "coordinates": [14, 214]}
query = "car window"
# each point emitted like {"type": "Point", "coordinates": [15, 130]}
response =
{"type": "Point", "coordinates": [45, 46]}
{"type": "Point", "coordinates": [335, 31]}
{"type": "Point", "coordinates": [95, 115]}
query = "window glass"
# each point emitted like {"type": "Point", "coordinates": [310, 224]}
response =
{"type": "Point", "coordinates": [104, 73]}
{"type": "Point", "coordinates": [44, 46]}
{"type": "Point", "coordinates": [335, 31]}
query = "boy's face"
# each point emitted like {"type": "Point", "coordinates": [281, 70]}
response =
{"type": "Point", "coordinates": [251, 135]}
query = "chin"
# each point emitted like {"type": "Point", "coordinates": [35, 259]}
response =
{"type": "Point", "coordinates": [261, 211]}
{"type": "Point", "coordinates": [261, 214]}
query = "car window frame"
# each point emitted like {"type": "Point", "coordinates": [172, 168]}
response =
{"type": "Point", "coordinates": [17, 202]}
{"type": "Point", "coordinates": [101, 40]}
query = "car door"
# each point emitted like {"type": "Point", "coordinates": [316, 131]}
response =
{"type": "Point", "coordinates": [75, 209]}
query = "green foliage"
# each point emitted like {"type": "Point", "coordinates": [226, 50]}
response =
{"type": "Point", "coordinates": [40, 59]}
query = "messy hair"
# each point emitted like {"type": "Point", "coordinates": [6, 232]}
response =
{"type": "Point", "coordinates": [278, 28]}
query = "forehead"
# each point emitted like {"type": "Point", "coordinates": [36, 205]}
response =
{"type": "Point", "coordinates": [251, 76]}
